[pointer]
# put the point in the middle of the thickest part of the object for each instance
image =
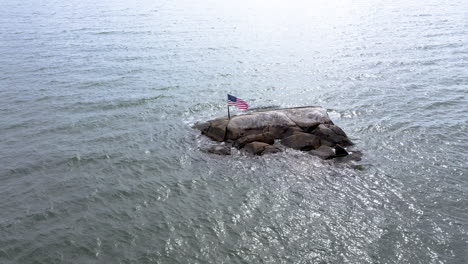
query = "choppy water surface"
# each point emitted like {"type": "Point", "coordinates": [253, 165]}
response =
{"type": "Point", "coordinates": [99, 163]}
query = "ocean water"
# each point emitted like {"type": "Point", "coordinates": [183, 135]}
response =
{"type": "Point", "coordinates": [99, 163]}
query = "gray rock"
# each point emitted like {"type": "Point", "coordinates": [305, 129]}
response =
{"type": "Point", "coordinates": [327, 143]}
{"type": "Point", "coordinates": [255, 123]}
{"type": "Point", "coordinates": [276, 131]}
{"type": "Point", "coordinates": [325, 133]}
{"type": "Point", "coordinates": [256, 148]}
{"type": "Point", "coordinates": [217, 129]}
{"type": "Point", "coordinates": [340, 151]}
{"type": "Point", "coordinates": [353, 156]}
{"type": "Point", "coordinates": [310, 127]}
{"type": "Point", "coordinates": [301, 141]}
{"type": "Point", "coordinates": [338, 130]}
{"type": "Point", "coordinates": [308, 116]}
{"type": "Point", "coordinates": [291, 131]}
{"type": "Point", "coordinates": [324, 152]}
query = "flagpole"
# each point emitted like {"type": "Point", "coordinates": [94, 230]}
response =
{"type": "Point", "coordinates": [229, 114]}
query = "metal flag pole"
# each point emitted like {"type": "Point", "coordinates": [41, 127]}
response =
{"type": "Point", "coordinates": [229, 114]}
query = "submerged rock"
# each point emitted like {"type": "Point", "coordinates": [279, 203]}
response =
{"type": "Point", "coordinates": [218, 150]}
{"type": "Point", "coordinates": [352, 155]}
{"type": "Point", "coordinates": [302, 128]}
{"type": "Point", "coordinates": [271, 150]}
{"type": "Point", "coordinates": [324, 152]}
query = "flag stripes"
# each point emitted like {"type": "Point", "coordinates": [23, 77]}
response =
{"type": "Point", "coordinates": [237, 102]}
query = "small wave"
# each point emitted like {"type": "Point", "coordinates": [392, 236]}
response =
{"type": "Point", "coordinates": [131, 103]}
{"type": "Point", "coordinates": [91, 84]}
{"type": "Point", "coordinates": [110, 105]}
{"type": "Point", "coordinates": [50, 98]}
{"type": "Point", "coordinates": [165, 88]}
{"type": "Point", "coordinates": [119, 32]}
{"type": "Point", "coordinates": [444, 34]}
{"type": "Point", "coordinates": [445, 103]}
{"type": "Point", "coordinates": [440, 46]}
{"type": "Point", "coordinates": [69, 161]}
{"type": "Point", "coordinates": [80, 29]}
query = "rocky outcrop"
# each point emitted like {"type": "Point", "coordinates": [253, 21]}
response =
{"type": "Point", "coordinates": [302, 128]}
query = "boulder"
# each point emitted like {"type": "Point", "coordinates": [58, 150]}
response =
{"type": "Point", "coordinates": [291, 131]}
{"type": "Point", "coordinates": [276, 131]}
{"type": "Point", "coordinates": [255, 123]}
{"type": "Point", "coordinates": [324, 152]}
{"type": "Point", "coordinates": [307, 116]}
{"type": "Point", "coordinates": [301, 141]}
{"type": "Point", "coordinates": [310, 127]}
{"type": "Point", "coordinates": [266, 137]}
{"type": "Point", "coordinates": [216, 129]}
{"type": "Point", "coordinates": [327, 134]}
{"type": "Point", "coordinates": [338, 130]}
{"type": "Point", "coordinates": [340, 151]}
{"type": "Point", "coordinates": [256, 148]}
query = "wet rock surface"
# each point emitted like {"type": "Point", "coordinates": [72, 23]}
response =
{"type": "Point", "coordinates": [266, 137]}
{"type": "Point", "coordinates": [303, 128]}
{"type": "Point", "coordinates": [301, 141]}
{"type": "Point", "coordinates": [259, 148]}
{"type": "Point", "coordinates": [324, 152]}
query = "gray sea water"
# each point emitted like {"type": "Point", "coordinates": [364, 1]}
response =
{"type": "Point", "coordinates": [99, 163]}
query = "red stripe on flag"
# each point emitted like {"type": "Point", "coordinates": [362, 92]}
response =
{"type": "Point", "coordinates": [240, 103]}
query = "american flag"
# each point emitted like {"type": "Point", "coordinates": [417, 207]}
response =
{"type": "Point", "coordinates": [237, 102]}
